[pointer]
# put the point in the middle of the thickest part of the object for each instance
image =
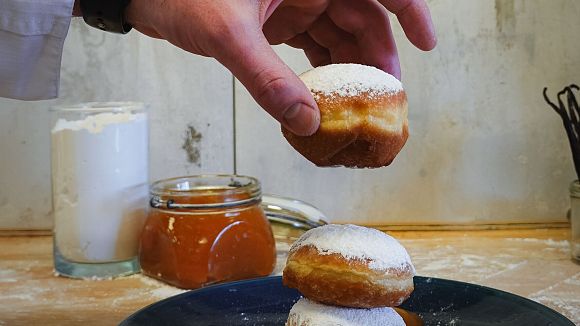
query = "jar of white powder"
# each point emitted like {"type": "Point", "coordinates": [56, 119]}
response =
{"type": "Point", "coordinates": [100, 187]}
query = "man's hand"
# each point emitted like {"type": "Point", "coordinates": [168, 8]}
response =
{"type": "Point", "coordinates": [238, 33]}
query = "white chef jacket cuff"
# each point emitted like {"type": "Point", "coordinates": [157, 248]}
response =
{"type": "Point", "coordinates": [32, 36]}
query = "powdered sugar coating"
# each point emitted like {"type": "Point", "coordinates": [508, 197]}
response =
{"type": "Point", "coordinates": [311, 313]}
{"type": "Point", "coordinates": [350, 79]}
{"type": "Point", "coordinates": [356, 242]}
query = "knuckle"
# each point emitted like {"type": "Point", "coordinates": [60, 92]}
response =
{"type": "Point", "coordinates": [268, 86]}
{"type": "Point", "coordinates": [227, 37]}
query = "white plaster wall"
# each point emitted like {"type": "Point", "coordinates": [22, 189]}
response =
{"type": "Point", "coordinates": [182, 90]}
{"type": "Point", "coordinates": [484, 147]}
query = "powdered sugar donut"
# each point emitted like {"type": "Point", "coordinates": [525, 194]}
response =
{"type": "Point", "coordinates": [309, 313]}
{"type": "Point", "coordinates": [363, 117]}
{"type": "Point", "coordinates": [350, 266]}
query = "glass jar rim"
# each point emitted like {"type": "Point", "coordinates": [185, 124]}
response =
{"type": "Point", "coordinates": [97, 107]}
{"type": "Point", "coordinates": [164, 193]}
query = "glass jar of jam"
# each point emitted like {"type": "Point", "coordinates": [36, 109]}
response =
{"type": "Point", "coordinates": [207, 229]}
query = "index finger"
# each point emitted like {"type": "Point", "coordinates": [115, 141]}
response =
{"type": "Point", "coordinates": [414, 17]}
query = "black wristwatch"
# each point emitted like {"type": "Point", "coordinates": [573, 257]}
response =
{"type": "Point", "coordinates": [106, 15]}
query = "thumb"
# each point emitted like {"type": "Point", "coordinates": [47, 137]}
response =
{"type": "Point", "coordinates": [271, 83]}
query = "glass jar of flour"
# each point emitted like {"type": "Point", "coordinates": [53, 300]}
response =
{"type": "Point", "coordinates": [100, 187]}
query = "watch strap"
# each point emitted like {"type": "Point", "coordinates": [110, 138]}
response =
{"type": "Point", "coordinates": [106, 15]}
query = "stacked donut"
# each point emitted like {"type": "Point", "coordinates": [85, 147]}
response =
{"type": "Point", "coordinates": [349, 275]}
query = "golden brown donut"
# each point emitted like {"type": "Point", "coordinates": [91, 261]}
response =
{"type": "Point", "coordinates": [363, 117]}
{"type": "Point", "coordinates": [350, 266]}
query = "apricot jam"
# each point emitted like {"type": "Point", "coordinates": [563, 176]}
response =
{"type": "Point", "coordinates": [410, 318]}
{"type": "Point", "coordinates": [206, 229]}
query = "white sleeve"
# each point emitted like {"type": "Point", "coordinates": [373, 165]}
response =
{"type": "Point", "coordinates": [32, 34]}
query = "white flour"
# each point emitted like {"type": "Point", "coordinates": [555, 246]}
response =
{"type": "Point", "coordinates": [100, 176]}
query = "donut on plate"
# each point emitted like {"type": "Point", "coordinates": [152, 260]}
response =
{"type": "Point", "coordinates": [350, 266]}
{"type": "Point", "coordinates": [309, 313]}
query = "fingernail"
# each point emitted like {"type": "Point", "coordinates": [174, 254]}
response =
{"type": "Point", "coordinates": [302, 119]}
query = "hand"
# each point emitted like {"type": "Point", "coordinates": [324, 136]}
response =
{"type": "Point", "coordinates": [238, 33]}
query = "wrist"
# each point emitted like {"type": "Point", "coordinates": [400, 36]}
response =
{"type": "Point", "coordinates": [131, 13]}
{"type": "Point", "coordinates": [77, 9]}
{"type": "Point", "coordinates": [106, 15]}
{"type": "Point", "coordinates": [139, 12]}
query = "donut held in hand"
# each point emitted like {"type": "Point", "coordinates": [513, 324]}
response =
{"type": "Point", "coordinates": [363, 117]}
{"type": "Point", "coordinates": [350, 266]}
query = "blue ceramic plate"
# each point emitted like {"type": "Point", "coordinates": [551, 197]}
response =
{"type": "Point", "coordinates": [266, 302]}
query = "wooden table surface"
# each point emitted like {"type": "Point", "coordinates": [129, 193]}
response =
{"type": "Point", "coordinates": [533, 263]}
